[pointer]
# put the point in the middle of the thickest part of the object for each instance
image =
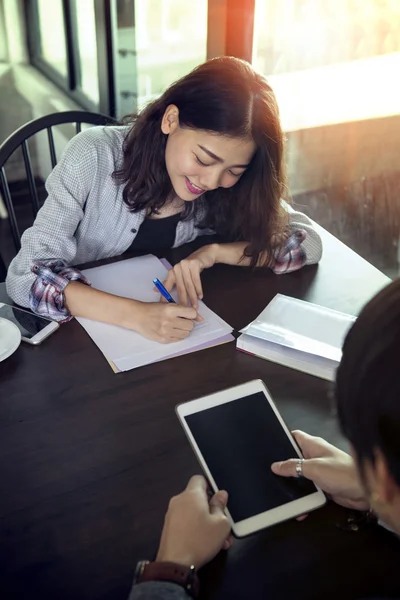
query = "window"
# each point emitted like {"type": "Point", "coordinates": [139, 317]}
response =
{"type": "Point", "coordinates": [52, 41]}
{"type": "Point", "coordinates": [303, 34]}
{"type": "Point", "coordinates": [87, 48]}
{"type": "Point", "coordinates": [171, 40]}
{"type": "Point", "coordinates": [334, 65]}
{"type": "Point", "coordinates": [326, 55]}
{"type": "Point", "coordinates": [160, 42]}
{"type": "Point", "coordinates": [62, 44]}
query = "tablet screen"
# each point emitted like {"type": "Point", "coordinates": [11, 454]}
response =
{"type": "Point", "coordinates": [239, 440]}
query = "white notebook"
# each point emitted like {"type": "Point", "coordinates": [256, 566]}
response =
{"type": "Point", "coordinates": [125, 349]}
{"type": "Point", "coordinates": [298, 334]}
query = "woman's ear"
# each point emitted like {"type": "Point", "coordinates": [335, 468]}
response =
{"type": "Point", "coordinates": [170, 120]}
{"type": "Point", "coordinates": [387, 488]}
{"type": "Point", "coordinates": [380, 482]}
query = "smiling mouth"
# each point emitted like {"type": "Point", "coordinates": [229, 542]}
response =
{"type": "Point", "coordinates": [193, 189]}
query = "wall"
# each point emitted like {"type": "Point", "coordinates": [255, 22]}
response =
{"type": "Point", "coordinates": [339, 154]}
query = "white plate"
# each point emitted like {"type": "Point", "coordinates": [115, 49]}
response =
{"type": "Point", "coordinates": [10, 338]}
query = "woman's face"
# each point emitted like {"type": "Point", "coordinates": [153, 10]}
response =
{"type": "Point", "coordinates": [198, 161]}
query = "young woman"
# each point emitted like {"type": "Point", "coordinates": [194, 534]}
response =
{"type": "Point", "coordinates": [206, 157]}
{"type": "Point", "coordinates": [368, 399]}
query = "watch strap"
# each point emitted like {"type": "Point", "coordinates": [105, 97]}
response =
{"type": "Point", "coordinates": [168, 571]}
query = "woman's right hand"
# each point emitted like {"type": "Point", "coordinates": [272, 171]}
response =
{"type": "Point", "coordinates": [161, 322]}
{"type": "Point", "coordinates": [331, 469]}
{"type": "Point", "coordinates": [155, 320]}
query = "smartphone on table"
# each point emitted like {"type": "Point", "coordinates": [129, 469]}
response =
{"type": "Point", "coordinates": [34, 329]}
{"type": "Point", "coordinates": [236, 435]}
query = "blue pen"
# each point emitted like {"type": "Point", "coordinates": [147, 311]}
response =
{"type": "Point", "coordinates": [164, 293]}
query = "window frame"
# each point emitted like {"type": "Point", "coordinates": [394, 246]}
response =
{"type": "Point", "coordinates": [70, 84]}
{"type": "Point", "coordinates": [230, 27]}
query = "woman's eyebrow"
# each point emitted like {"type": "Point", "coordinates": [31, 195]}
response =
{"type": "Point", "coordinates": [218, 159]}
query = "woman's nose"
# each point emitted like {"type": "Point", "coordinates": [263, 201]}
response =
{"type": "Point", "coordinates": [211, 180]}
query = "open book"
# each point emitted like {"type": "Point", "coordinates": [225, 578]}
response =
{"type": "Point", "coordinates": [298, 334]}
{"type": "Point", "coordinates": [125, 349]}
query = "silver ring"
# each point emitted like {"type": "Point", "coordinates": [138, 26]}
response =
{"type": "Point", "coordinates": [299, 467]}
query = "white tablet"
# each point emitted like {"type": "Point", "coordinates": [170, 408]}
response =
{"type": "Point", "coordinates": [236, 435]}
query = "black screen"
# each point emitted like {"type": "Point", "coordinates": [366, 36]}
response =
{"type": "Point", "coordinates": [239, 441]}
{"type": "Point", "coordinates": [28, 323]}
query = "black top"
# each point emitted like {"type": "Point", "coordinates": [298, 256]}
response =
{"type": "Point", "coordinates": [155, 234]}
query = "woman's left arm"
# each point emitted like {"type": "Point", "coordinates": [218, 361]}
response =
{"type": "Point", "coordinates": [302, 246]}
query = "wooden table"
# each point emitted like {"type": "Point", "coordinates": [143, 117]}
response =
{"type": "Point", "coordinates": [89, 459]}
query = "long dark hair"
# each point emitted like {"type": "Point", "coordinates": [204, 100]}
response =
{"type": "Point", "coordinates": [368, 381]}
{"type": "Point", "coordinates": [226, 96]}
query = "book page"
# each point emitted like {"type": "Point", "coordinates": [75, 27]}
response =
{"type": "Point", "coordinates": [303, 326]}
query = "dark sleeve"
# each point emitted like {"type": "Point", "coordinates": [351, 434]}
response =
{"type": "Point", "coordinates": [158, 590]}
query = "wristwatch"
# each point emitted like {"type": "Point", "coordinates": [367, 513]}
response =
{"type": "Point", "coordinates": [168, 571]}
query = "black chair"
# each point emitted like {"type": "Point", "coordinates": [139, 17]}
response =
{"type": "Point", "coordinates": [3, 270]}
{"type": "Point", "coordinates": [19, 139]}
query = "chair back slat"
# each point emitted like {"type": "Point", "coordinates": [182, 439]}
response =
{"type": "Point", "coordinates": [52, 147]}
{"type": "Point", "coordinates": [78, 127]}
{"type": "Point", "coordinates": [5, 192]}
{"type": "Point", "coordinates": [30, 178]}
{"type": "Point", "coordinates": [3, 270]}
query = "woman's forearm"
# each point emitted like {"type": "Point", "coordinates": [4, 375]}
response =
{"type": "Point", "coordinates": [84, 301]}
{"type": "Point", "coordinates": [162, 322]}
{"type": "Point", "coordinates": [233, 254]}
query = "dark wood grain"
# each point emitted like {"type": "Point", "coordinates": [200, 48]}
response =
{"type": "Point", "coordinates": [89, 459]}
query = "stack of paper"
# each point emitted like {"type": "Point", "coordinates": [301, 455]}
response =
{"type": "Point", "coordinates": [125, 349]}
{"type": "Point", "coordinates": [298, 334]}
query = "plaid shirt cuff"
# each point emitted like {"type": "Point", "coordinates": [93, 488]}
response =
{"type": "Point", "coordinates": [291, 256]}
{"type": "Point", "coordinates": [47, 292]}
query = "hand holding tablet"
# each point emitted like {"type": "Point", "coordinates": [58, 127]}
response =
{"type": "Point", "coordinates": [236, 435]}
{"type": "Point", "coordinates": [195, 527]}
{"type": "Point", "coordinates": [333, 470]}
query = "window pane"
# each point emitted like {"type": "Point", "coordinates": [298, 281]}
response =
{"type": "Point", "coordinates": [87, 49]}
{"type": "Point", "coordinates": [171, 39]}
{"type": "Point", "coordinates": [334, 68]}
{"type": "Point", "coordinates": [52, 35]}
{"type": "Point", "coordinates": [165, 39]}
{"type": "Point", "coordinates": [301, 34]}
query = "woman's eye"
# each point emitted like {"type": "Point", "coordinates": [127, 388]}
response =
{"type": "Point", "coordinates": [200, 162]}
{"type": "Point", "coordinates": [236, 174]}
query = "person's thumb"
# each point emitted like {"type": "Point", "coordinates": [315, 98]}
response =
{"type": "Point", "coordinates": [218, 502]}
{"type": "Point", "coordinates": [287, 468]}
